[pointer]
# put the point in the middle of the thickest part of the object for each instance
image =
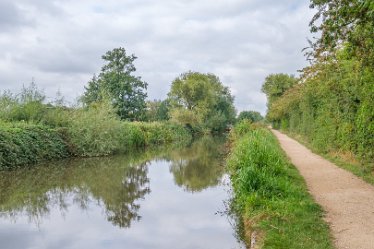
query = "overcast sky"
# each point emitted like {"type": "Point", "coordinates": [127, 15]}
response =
{"type": "Point", "coordinates": [59, 43]}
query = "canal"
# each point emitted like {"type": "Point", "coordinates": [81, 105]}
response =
{"type": "Point", "coordinates": [159, 198]}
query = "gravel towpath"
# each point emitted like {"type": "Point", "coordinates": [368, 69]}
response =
{"type": "Point", "coordinates": [347, 200]}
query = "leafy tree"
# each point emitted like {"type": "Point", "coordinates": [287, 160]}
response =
{"type": "Point", "coordinates": [253, 116]}
{"type": "Point", "coordinates": [201, 101]}
{"type": "Point", "coordinates": [276, 85]}
{"type": "Point", "coordinates": [157, 110]}
{"type": "Point", "coordinates": [341, 21]}
{"type": "Point", "coordinates": [94, 91]}
{"type": "Point", "coordinates": [117, 83]}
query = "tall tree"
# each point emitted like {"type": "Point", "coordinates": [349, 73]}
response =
{"type": "Point", "coordinates": [201, 101]}
{"type": "Point", "coordinates": [116, 81]}
{"type": "Point", "coordinates": [344, 21]}
{"type": "Point", "coordinates": [276, 85]}
{"type": "Point", "coordinates": [250, 115]}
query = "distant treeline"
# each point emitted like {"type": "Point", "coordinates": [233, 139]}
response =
{"type": "Point", "coordinates": [332, 103]}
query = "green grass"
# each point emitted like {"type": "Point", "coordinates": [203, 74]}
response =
{"type": "Point", "coordinates": [271, 195]}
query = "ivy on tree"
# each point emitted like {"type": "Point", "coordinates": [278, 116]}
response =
{"type": "Point", "coordinates": [116, 82]}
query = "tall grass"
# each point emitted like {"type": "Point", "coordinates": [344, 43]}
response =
{"type": "Point", "coordinates": [94, 131]}
{"type": "Point", "coordinates": [272, 196]}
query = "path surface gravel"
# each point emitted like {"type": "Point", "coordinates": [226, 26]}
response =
{"type": "Point", "coordinates": [347, 200]}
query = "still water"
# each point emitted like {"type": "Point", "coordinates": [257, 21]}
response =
{"type": "Point", "coordinates": [164, 198]}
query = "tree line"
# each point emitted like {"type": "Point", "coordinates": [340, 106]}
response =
{"type": "Point", "coordinates": [331, 102]}
{"type": "Point", "coordinates": [196, 100]}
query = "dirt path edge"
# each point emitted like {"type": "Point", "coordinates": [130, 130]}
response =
{"type": "Point", "coordinates": [347, 200]}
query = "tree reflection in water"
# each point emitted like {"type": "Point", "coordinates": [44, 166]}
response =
{"type": "Point", "coordinates": [123, 208]}
{"type": "Point", "coordinates": [115, 184]}
{"type": "Point", "coordinates": [199, 166]}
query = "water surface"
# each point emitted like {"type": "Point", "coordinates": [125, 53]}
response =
{"type": "Point", "coordinates": [165, 198]}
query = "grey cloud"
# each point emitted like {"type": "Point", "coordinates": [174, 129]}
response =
{"type": "Point", "coordinates": [58, 60]}
{"type": "Point", "coordinates": [10, 17]}
{"type": "Point", "coordinates": [241, 41]}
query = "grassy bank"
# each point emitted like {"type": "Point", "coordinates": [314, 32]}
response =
{"type": "Point", "coordinates": [22, 144]}
{"type": "Point", "coordinates": [271, 195]}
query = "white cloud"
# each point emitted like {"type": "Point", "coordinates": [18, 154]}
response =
{"type": "Point", "coordinates": [60, 43]}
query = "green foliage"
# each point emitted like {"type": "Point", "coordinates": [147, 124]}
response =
{"type": "Point", "coordinates": [28, 106]}
{"type": "Point", "coordinates": [116, 82]}
{"type": "Point", "coordinates": [240, 129]}
{"type": "Point", "coordinates": [137, 134]}
{"type": "Point", "coordinates": [97, 131]}
{"type": "Point", "coordinates": [94, 131]}
{"type": "Point", "coordinates": [253, 116]}
{"type": "Point", "coordinates": [91, 132]}
{"type": "Point", "coordinates": [25, 106]}
{"type": "Point", "coordinates": [332, 108]}
{"type": "Point", "coordinates": [344, 22]}
{"type": "Point", "coordinates": [201, 102]}
{"type": "Point", "coordinates": [157, 110]}
{"type": "Point", "coordinates": [23, 144]}
{"type": "Point", "coordinates": [276, 85]}
{"type": "Point", "coordinates": [271, 195]}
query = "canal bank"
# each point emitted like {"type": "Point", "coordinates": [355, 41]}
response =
{"type": "Point", "coordinates": [276, 209]}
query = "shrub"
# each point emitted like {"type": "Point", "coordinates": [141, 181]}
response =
{"type": "Point", "coordinates": [94, 131]}
{"type": "Point", "coordinates": [23, 144]}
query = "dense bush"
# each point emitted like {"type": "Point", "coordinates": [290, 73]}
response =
{"type": "Point", "coordinates": [88, 135]}
{"type": "Point", "coordinates": [94, 131]}
{"type": "Point", "coordinates": [271, 195]}
{"type": "Point", "coordinates": [22, 144]}
{"type": "Point", "coordinates": [332, 108]}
